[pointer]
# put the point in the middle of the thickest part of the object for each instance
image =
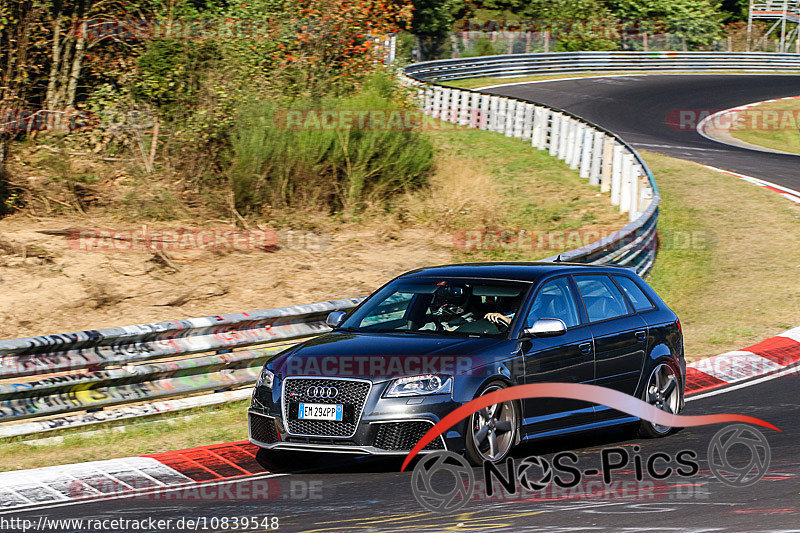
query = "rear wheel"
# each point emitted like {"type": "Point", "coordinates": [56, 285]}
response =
{"type": "Point", "coordinates": [492, 431]}
{"type": "Point", "coordinates": [663, 390]}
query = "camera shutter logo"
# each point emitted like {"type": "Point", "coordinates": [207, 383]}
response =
{"type": "Point", "coordinates": [730, 470]}
{"type": "Point", "coordinates": [458, 489]}
{"type": "Point", "coordinates": [526, 469]}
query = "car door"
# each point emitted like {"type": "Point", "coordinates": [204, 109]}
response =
{"type": "Point", "coordinates": [620, 336]}
{"type": "Point", "coordinates": [565, 358]}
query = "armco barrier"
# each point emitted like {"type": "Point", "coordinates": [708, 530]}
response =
{"type": "Point", "coordinates": [517, 65]}
{"type": "Point", "coordinates": [67, 380]}
{"type": "Point", "coordinates": [89, 370]}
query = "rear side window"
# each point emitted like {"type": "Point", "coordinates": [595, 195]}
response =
{"type": "Point", "coordinates": [637, 297]}
{"type": "Point", "coordinates": [601, 297]}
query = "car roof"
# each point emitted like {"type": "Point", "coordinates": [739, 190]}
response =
{"type": "Point", "coordinates": [518, 271]}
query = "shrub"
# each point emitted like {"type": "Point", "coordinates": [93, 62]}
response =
{"type": "Point", "coordinates": [337, 168]}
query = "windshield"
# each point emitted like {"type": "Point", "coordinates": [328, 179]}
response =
{"type": "Point", "coordinates": [440, 306]}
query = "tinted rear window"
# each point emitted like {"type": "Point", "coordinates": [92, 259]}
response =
{"type": "Point", "coordinates": [601, 297]}
{"type": "Point", "coordinates": [637, 297]}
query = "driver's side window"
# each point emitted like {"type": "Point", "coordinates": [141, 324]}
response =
{"type": "Point", "coordinates": [554, 300]}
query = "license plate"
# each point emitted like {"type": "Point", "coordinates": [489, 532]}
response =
{"type": "Point", "coordinates": [319, 411]}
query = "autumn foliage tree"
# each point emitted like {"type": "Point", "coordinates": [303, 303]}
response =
{"type": "Point", "coordinates": [332, 43]}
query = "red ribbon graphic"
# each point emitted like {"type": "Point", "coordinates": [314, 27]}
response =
{"type": "Point", "coordinates": [577, 391]}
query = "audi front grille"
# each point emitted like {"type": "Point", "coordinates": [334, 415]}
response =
{"type": "Point", "coordinates": [351, 393]}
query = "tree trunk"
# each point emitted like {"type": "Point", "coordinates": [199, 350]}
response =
{"type": "Point", "coordinates": [77, 60]}
{"type": "Point", "coordinates": [54, 61]}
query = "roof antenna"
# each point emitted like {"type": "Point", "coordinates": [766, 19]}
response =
{"type": "Point", "coordinates": [558, 259]}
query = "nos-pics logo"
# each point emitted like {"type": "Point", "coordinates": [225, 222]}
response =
{"type": "Point", "coordinates": [443, 481]}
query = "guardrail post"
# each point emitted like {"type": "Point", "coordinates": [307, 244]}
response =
{"type": "Point", "coordinates": [586, 156]}
{"type": "Point", "coordinates": [563, 141]}
{"type": "Point", "coordinates": [494, 112]}
{"type": "Point", "coordinates": [634, 211]}
{"type": "Point", "coordinates": [539, 134]}
{"type": "Point", "coordinates": [608, 163]}
{"type": "Point", "coordinates": [501, 115]}
{"type": "Point", "coordinates": [527, 121]}
{"type": "Point", "coordinates": [446, 105]}
{"type": "Point", "coordinates": [616, 174]}
{"type": "Point", "coordinates": [473, 110]}
{"type": "Point", "coordinates": [428, 104]}
{"type": "Point", "coordinates": [625, 189]}
{"type": "Point", "coordinates": [577, 149]}
{"type": "Point", "coordinates": [436, 111]}
{"type": "Point", "coordinates": [455, 106]}
{"type": "Point", "coordinates": [519, 119]}
{"type": "Point", "coordinates": [483, 121]}
{"type": "Point", "coordinates": [597, 158]}
{"type": "Point", "coordinates": [555, 133]}
{"type": "Point", "coordinates": [465, 109]}
{"type": "Point", "coordinates": [511, 114]}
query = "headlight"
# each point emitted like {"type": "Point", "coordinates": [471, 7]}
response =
{"type": "Point", "coordinates": [265, 379]}
{"type": "Point", "coordinates": [418, 385]}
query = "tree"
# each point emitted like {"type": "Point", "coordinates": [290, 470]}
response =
{"type": "Point", "coordinates": [697, 21]}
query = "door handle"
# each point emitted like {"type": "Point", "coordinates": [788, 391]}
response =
{"type": "Point", "coordinates": [586, 347]}
{"type": "Point", "coordinates": [641, 335]}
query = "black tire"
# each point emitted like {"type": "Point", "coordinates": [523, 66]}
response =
{"type": "Point", "coordinates": [492, 432]}
{"type": "Point", "coordinates": [655, 393]}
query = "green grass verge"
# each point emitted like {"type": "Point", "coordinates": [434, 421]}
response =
{"type": "Point", "coordinates": [729, 259]}
{"type": "Point", "coordinates": [771, 125]}
{"type": "Point", "coordinates": [208, 425]}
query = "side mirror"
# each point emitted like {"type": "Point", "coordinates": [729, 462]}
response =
{"type": "Point", "coordinates": [546, 327]}
{"type": "Point", "coordinates": [335, 318]}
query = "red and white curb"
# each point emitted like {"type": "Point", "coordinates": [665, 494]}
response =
{"type": "Point", "coordinates": [789, 194]}
{"type": "Point", "coordinates": [767, 357]}
{"type": "Point", "coordinates": [201, 472]}
{"type": "Point", "coordinates": [717, 127]}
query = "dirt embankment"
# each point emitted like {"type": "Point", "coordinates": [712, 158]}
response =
{"type": "Point", "coordinates": [54, 279]}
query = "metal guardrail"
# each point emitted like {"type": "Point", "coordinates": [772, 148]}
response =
{"type": "Point", "coordinates": [517, 65]}
{"type": "Point", "coordinates": [67, 380]}
{"type": "Point", "coordinates": [91, 370]}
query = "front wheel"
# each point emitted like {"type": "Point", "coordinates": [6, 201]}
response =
{"type": "Point", "coordinates": [492, 431]}
{"type": "Point", "coordinates": [663, 390]}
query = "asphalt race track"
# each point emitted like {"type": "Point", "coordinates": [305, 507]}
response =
{"type": "Point", "coordinates": [645, 111]}
{"type": "Point", "coordinates": [370, 493]}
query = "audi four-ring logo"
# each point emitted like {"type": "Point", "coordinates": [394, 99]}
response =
{"type": "Point", "coordinates": [322, 392]}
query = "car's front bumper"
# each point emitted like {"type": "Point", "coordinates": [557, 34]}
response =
{"type": "Point", "coordinates": [386, 426]}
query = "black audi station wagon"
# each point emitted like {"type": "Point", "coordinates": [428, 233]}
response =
{"type": "Point", "coordinates": [435, 338]}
